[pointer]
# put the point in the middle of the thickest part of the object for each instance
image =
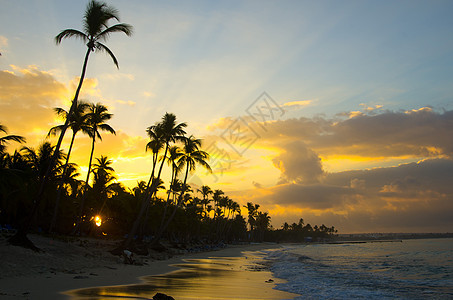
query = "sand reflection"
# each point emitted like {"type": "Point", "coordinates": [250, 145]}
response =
{"type": "Point", "coordinates": [213, 278]}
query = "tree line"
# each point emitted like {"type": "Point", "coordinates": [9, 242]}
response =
{"type": "Point", "coordinates": [40, 188]}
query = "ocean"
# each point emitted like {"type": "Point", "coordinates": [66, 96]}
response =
{"type": "Point", "coordinates": [410, 269]}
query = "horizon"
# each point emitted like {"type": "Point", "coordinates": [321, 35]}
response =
{"type": "Point", "coordinates": [339, 113]}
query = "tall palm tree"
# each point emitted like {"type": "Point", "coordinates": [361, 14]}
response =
{"type": "Point", "coordinates": [96, 29]}
{"type": "Point", "coordinates": [155, 144]}
{"type": "Point", "coordinates": [174, 153]}
{"type": "Point", "coordinates": [97, 115]}
{"type": "Point", "coordinates": [191, 156]}
{"type": "Point", "coordinates": [168, 131]}
{"type": "Point", "coordinates": [77, 123]}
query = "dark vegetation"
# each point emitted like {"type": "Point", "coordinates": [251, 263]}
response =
{"type": "Point", "coordinates": [41, 189]}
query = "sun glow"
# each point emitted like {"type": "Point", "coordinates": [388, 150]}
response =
{"type": "Point", "coordinates": [97, 221]}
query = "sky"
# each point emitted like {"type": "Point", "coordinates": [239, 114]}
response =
{"type": "Point", "coordinates": [337, 112]}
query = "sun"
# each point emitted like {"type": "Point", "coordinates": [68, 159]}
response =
{"type": "Point", "coordinates": [97, 221]}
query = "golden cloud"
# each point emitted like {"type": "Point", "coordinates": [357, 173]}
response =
{"type": "Point", "coordinates": [27, 99]}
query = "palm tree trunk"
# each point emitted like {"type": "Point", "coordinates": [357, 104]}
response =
{"type": "Point", "coordinates": [154, 184]}
{"type": "Point", "coordinates": [82, 203]}
{"type": "Point", "coordinates": [178, 204]}
{"type": "Point", "coordinates": [60, 186]}
{"type": "Point", "coordinates": [20, 238]}
{"type": "Point", "coordinates": [168, 198]}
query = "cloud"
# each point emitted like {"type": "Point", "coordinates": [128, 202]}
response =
{"type": "Point", "coordinates": [410, 197]}
{"type": "Point", "coordinates": [129, 102]}
{"type": "Point", "coordinates": [299, 163]}
{"type": "Point", "coordinates": [90, 89]}
{"type": "Point", "coordinates": [297, 104]}
{"type": "Point", "coordinates": [417, 133]}
{"type": "Point", "coordinates": [27, 99]}
{"type": "Point", "coordinates": [3, 42]}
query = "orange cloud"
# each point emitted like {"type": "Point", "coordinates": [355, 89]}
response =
{"type": "Point", "coordinates": [27, 97]}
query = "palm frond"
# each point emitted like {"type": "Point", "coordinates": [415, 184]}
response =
{"type": "Point", "coordinates": [3, 128]}
{"type": "Point", "coordinates": [68, 33]}
{"type": "Point", "coordinates": [15, 138]}
{"type": "Point", "coordinates": [60, 112]}
{"type": "Point", "coordinates": [54, 130]}
{"type": "Point", "coordinates": [123, 27]}
{"type": "Point", "coordinates": [103, 47]}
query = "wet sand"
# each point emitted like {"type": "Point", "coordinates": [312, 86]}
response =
{"type": "Point", "coordinates": [240, 277]}
{"type": "Point", "coordinates": [85, 263]}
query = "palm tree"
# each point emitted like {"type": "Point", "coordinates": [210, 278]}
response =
{"type": "Point", "coordinates": [190, 157]}
{"type": "Point", "coordinates": [167, 131]}
{"type": "Point", "coordinates": [77, 123]}
{"type": "Point", "coordinates": [155, 144]}
{"type": "Point", "coordinates": [97, 115]}
{"type": "Point", "coordinates": [39, 161]}
{"type": "Point", "coordinates": [96, 29]}
{"type": "Point", "coordinates": [252, 215]}
{"type": "Point", "coordinates": [216, 197]}
{"type": "Point", "coordinates": [6, 173]}
{"type": "Point", "coordinates": [205, 192]}
{"type": "Point", "coordinates": [263, 221]}
{"type": "Point", "coordinates": [174, 153]}
{"type": "Point", "coordinates": [103, 180]}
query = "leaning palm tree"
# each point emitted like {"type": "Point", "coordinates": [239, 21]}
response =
{"type": "Point", "coordinates": [191, 156]}
{"type": "Point", "coordinates": [96, 30]}
{"type": "Point", "coordinates": [77, 123]}
{"type": "Point", "coordinates": [97, 115]}
{"type": "Point", "coordinates": [168, 132]}
{"type": "Point", "coordinates": [174, 153]}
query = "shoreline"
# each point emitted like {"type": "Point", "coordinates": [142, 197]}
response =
{"type": "Point", "coordinates": [85, 263]}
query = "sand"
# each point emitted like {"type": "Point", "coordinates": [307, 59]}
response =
{"type": "Point", "coordinates": [68, 265]}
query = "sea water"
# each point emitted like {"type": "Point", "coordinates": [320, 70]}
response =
{"type": "Point", "coordinates": [410, 269]}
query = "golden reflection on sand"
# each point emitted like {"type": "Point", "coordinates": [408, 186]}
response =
{"type": "Point", "coordinates": [212, 278]}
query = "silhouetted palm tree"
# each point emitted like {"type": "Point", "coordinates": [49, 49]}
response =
{"type": "Point", "coordinates": [97, 115]}
{"type": "Point", "coordinates": [191, 156]}
{"type": "Point", "coordinates": [216, 197]}
{"type": "Point", "coordinates": [77, 123]}
{"type": "Point", "coordinates": [252, 215]}
{"type": "Point", "coordinates": [167, 131]}
{"type": "Point", "coordinates": [174, 153]}
{"type": "Point", "coordinates": [7, 174]}
{"type": "Point", "coordinates": [104, 178]}
{"type": "Point", "coordinates": [39, 161]}
{"type": "Point", "coordinates": [96, 29]}
{"type": "Point", "coordinates": [205, 192]}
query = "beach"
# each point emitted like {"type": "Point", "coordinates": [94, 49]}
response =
{"type": "Point", "coordinates": [72, 264]}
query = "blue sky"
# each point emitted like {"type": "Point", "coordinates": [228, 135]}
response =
{"type": "Point", "coordinates": [208, 61]}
